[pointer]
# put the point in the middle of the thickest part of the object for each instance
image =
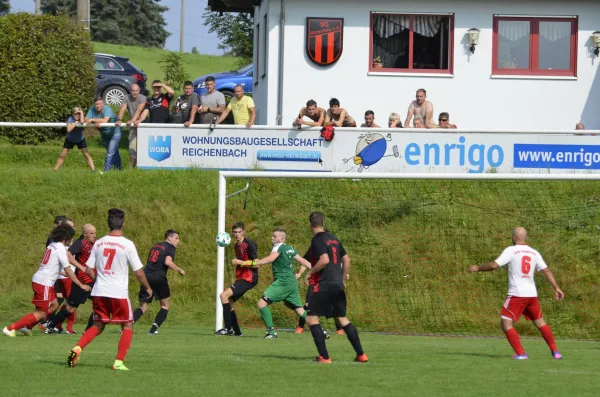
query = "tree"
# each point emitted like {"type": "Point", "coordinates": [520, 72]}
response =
{"type": "Point", "coordinates": [4, 7]}
{"type": "Point", "coordinates": [133, 22]}
{"type": "Point", "coordinates": [236, 32]}
{"type": "Point", "coordinates": [174, 74]}
{"type": "Point", "coordinates": [195, 51]}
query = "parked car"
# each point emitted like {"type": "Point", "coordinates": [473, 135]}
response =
{"type": "Point", "coordinates": [226, 81]}
{"type": "Point", "coordinates": [114, 77]}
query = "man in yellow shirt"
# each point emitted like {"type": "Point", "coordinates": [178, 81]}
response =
{"type": "Point", "coordinates": [242, 107]}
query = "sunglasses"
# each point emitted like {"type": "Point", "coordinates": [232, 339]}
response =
{"type": "Point", "coordinates": [442, 120]}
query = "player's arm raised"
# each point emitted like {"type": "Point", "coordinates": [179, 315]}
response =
{"type": "Point", "coordinates": [557, 291]}
{"type": "Point", "coordinates": [257, 262]}
{"type": "Point", "coordinates": [169, 262]}
{"type": "Point", "coordinates": [490, 266]}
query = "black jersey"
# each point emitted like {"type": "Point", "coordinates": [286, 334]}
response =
{"type": "Point", "coordinates": [155, 265]}
{"type": "Point", "coordinates": [327, 243]}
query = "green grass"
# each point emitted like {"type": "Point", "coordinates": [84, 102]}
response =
{"type": "Point", "coordinates": [148, 59]}
{"type": "Point", "coordinates": [188, 360]}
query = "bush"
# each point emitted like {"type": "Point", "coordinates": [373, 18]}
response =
{"type": "Point", "coordinates": [174, 74]}
{"type": "Point", "coordinates": [46, 68]}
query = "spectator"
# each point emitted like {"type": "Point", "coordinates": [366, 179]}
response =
{"type": "Point", "coordinates": [369, 120]}
{"type": "Point", "coordinates": [313, 112]}
{"type": "Point", "coordinates": [158, 105]}
{"type": "Point", "coordinates": [444, 122]}
{"type": "Point", "coordinates": [242, 107]}
{"type": "Point", "coordinates": [111, 136]}
{"type": "Point", "coordinates": [418, 121]}
{"type": "Point", "coordinates": [580, 126]}
{"type": "Point", "coordinates": [421, 106]}
{"type": "Point", "coordinates": [212, 104]}
{"type": "Point", "coordinates": [186, 106]}
{"type": "Point", "coordinates": [75, 137]}
{"type": "Point", "coordinates": [134, 103]}
{"type": "Point", "coordinates": [394, 121]}
{"type": "Point", "coordinates": [338, 117]}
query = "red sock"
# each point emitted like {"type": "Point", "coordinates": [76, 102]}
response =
{"type": "Point", "coordinates": [124, 344]}
{"type": "Point", "coordinates": [515, 341]}
{"type": "Point", "coordinates": [88, 336]}
{"type": "Point", "coordinates": [27, 320]}
{"type": "Point", "coordinates": [548, 337]}
{"type": "Point", "coordinates": [71, 321]}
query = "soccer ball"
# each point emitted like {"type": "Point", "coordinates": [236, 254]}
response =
{"type": "Point", "coordinates": [223, 239]}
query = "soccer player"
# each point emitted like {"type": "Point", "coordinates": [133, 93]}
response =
{"type": "Point", "coordinates": [285, 285]}
{"type": "Point", "coordinates": [44, 298]}
{"type": "Point", "coordinates": [522, 297]}
{"type": "Point", "coordinates": [79, 252]}
{"type": "Point", "coordinates": [312, 280]}
{"type": "Point", "coordinates": [245, 279]}
{"type": "Point", "coordinates": [110, 256]}
{"type": "Point", "coordinates": [160, 259]}
{"type": "Point", "coordinates": [328, 297]}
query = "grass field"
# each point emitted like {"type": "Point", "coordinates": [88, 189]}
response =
{"type": "Point", "coordinates": [188, 360]}
{"type": "Point", "coordinates": [148, 59]}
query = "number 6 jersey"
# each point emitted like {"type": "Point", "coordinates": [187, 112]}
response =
{"type": "Point", "coordinates": [522, 260]}
{"type": "Point", "coordinates": [111, 256]}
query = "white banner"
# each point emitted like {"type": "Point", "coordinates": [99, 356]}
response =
{"type": "Point", "coordinates": [364, 150]}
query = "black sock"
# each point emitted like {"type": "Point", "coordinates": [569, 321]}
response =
{"type": "Point", "coordinates": [137, 313]}
{"type": "Point", "coordinates": [352, 335]}
{"type": "Point", "coordinates": [227, 315]}
{"type": "Point", "coordinates": [234, 323]}
{"type": "Point", "coordinates": [160, 318]}
{"type": "Point", "coordinates": [337, 326]}
{"type": "Point", "coordinates": [58, 318]}
{"type": "Point", "coordinates": [60, 301]}
{"type": "Point", "coordinates": [319, 337]}
{"type": "Point", "coordinates": [302, 321]}
{"type": "Point", "coordinates": [90, 321]}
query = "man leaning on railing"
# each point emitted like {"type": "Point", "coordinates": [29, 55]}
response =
{"type": "Point", "coordinates": [111, 136]}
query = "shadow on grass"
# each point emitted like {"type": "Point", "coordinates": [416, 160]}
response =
{"type": "Point", "coordinates": [495, 356]}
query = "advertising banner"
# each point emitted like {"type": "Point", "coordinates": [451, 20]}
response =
{"type": "Point", "coordinates": [366, 150]}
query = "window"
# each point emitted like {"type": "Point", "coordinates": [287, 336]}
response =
{"type": "Point", "coordinates": [103, 63]}
{"type": "Point", "coordinates": [257, 53]}
{"type": "Point", "coordinates": [411, 43]}
{"type": "Point", "coordinates": [264, 46]}
{"type": "Point", "coordinates": [534, 46]}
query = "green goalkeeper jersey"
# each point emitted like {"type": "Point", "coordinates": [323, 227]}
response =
{"type": "Point", "coordinates": [283, 266]}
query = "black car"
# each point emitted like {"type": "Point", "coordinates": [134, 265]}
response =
{"type": "Point", "coordinates": [114, 77]}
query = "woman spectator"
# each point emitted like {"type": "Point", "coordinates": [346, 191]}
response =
{"type": "Point", "coordinates": [75, 137]}
{"type": "Point", "coordinates": [394, 121]}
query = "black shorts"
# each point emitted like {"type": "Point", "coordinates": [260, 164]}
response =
{"type": "Point", "coordinates": [240, 287]}
{"type": "Point", "coordinates": [78, 296]}
{"type": "Point", "coordinates": [70, 145]}
{"type": "Point", "coordinates": [327, 302]}
{"type": "Point", "coordinates": [160, 289]}
{"type": "Point", "coordinates": [309, 292]}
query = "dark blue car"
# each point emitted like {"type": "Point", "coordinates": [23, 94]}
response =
{"type": "Point", "coordinates": [226, 81]}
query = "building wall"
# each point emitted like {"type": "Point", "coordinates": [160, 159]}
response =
{"type": "Point", "coordinates": [473, 99]}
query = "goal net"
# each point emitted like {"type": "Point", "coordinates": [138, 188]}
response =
{"type": "Point", "coordinates": [412, 237]}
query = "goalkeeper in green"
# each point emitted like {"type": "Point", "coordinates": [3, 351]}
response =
{"type": "Point", "coordinates": [285, 286]}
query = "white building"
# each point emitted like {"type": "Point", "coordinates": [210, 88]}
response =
{"type": "Point", "coordinates": [534, 66]}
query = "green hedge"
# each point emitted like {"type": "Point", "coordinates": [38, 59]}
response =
{"type": "Point", "coordinates": [46, 68]}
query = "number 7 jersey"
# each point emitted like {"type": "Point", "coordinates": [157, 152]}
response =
{"type": "Point", "coordinates": [111, 256]}
{"type": "Point", "coordinates": [522, 262]}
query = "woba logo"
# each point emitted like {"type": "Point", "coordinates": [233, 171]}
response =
{"type": "Point", "coordinates": [159, 147]}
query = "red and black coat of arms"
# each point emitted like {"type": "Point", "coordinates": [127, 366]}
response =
{"type": "Point", "coordinates": [324, 39]}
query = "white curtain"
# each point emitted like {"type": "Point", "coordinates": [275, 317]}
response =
{"type": "Point", "coordinates": [388, 25]}
{"type": "Point", "coordinates": [516, 30]}
{"type": "Point", "coordinates": [555, 31]}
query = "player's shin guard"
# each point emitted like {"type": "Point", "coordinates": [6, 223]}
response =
{"type": "Point", "coordinates": [548, 337]}
{"type": "Point", "coordinates": [234, 323]}
{"type": "Point", "coordinates": [352, 335]}
{"type": "Point", "coordinates": [27, 320]}
{"type": "Point", "coordinates": [88, 336]}
{"type": "Point", "coordinates": [227, 315]}
{"type": "Point", "coordinates": [267, 316]}
{"type": "Point", "coordinates": [137, 313]}
{"type": "Point", "coordinates": [160, 318]}
{"type": "Point", "coordinates": [124, 344]}
{"type": "Point", "coordinates": [302, 320]}
{"type": "Point", "coordinates": [515, 341]}
{"type": "Point", "coordinates": [319, 338]}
